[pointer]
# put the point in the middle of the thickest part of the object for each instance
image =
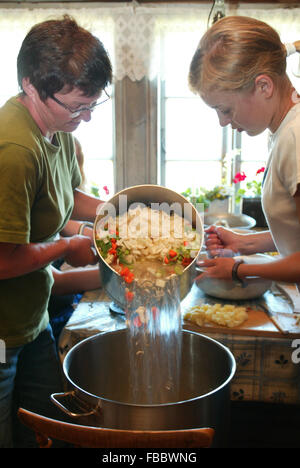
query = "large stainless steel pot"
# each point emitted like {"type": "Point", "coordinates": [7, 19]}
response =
{"type": "Point", "coordinates": [157, 197]}
{"type": "Point", "coordinates": [98, 373]}
{"type": "Point", "coordinates": [252, 288]}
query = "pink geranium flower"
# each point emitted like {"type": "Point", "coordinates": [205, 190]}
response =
{"type": "Point", "coordinates": [239, 177]}
{"type": "Point", "coordinates": [262, 169]}
{"type": "Point", "coordinates": [253, 187]}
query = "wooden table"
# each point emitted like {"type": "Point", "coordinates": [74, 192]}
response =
{"type": "Point", "coordinates": [263, 351]}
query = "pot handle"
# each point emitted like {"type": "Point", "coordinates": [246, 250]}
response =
{"type": "Point", "coordinates": [56, 396]}
{"type": "Point", "coordinates": [84, 225]}
{"type": "Point", "coordinates": [200, 269]}
{"type": "Point", "coordinates": [81, 229]}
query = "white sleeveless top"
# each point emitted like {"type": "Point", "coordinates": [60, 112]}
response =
{"type": "Point", "coordinates": [282, 175]}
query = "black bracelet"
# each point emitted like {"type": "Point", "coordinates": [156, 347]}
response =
{"type": "Point", "coordinates": [234, 273]}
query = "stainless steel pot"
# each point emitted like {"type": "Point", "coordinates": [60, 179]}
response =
{"type": "Point", "coordinates": [253, 287]}
{"type": "Point", "coordinates": [229, 220]}
{"type": "Point", "coordinates": [98, 373]}
{"type": "Point", "coordinates": [146, 194]}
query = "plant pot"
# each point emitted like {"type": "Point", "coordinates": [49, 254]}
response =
{"type": "Point", "coordinates": [252, 207]}
{"type": "Point", "coordinates": [219, 206]}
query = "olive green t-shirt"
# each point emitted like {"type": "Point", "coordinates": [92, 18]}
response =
{"type": "Point", "coordinates": [37, 179]}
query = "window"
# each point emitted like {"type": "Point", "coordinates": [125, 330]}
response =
{"type": "Point", "coordinates": [97, 140]}
{"type": "Point", "coordinates": [191, 139]}
{"type": "Point", "coordinates": [254, 152]}
{"type": "Point", "coordinates": [8, 56]}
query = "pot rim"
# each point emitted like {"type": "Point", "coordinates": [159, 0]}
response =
{"type": "Point", "coordinates": [156, 405]}
{"type": "Point", "coordinates": [155, 186]}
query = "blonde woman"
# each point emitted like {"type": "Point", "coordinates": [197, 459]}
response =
{"type": "Point", "coordinates": [239, 69]}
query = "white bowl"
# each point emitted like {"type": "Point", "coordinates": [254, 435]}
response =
{"type": "Point", "coordinates": [227, 289]}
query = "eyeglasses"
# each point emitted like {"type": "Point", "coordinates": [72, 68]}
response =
{"type": "Point", "coordinates": [76, 112]}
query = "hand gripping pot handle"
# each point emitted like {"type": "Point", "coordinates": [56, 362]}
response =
{"type": "Point", "coordinates": [81, 229]}
{"type": "Point", "coordinates": [67, 395]}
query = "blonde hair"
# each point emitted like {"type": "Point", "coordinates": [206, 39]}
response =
{"type": "Point", "coordinates": [233, 52]}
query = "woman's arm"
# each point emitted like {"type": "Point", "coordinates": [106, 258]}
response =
{"type": "Point", "coordinates": [258, 242]}
{"type": "Point", "coordinates": [286, 269]}
{"type": "Point", "coordinates": [85, 206]}
{"type": "Point", "coordinates": [72, 227]}
{"type": "Point", "coordinates": [75, 280]}
{"type": "Point", "coordinates": [20, 259]}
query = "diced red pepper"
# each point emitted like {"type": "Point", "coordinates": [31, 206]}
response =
{"type": "Point", "coordinates": [129, 295]}
{"type": "Point", "coordinates": [154, 311]}
{"type": "Point", "coordinates": [127, 274]}
{"type": "Point", "coordinates": [172, 253]}
{"type": "Point", "coordinates": [125, 271]}
{"type": "Point", "coordinates": [129, 278]}
{"type": "Point", "coordinates": [186, 261]}
{"type": "Point", "coordinates": [185, 243]}
{"type": "Point", "coordinates": [166, 260]}
{"type": "Point", "coordinates": [137, 321]}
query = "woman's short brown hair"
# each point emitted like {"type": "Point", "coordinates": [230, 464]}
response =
{"type": "Point", "coordinates": [233, 52]}
{"type": "Point", "coordinates": [58, 53]}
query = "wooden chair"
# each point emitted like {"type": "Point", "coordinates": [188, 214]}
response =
{"type": "Point", "coordinates": [94, 437]}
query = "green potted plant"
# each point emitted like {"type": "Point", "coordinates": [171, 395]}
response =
{"type": "Point", "coordinates": [213, 200]}
{"type": "Point", "coordinates": [196, 197]}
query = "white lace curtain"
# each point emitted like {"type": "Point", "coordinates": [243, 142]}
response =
{"type": "Point", "coordinates": [135, 29]}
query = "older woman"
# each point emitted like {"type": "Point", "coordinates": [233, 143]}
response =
{"type": "Point", "coordinates": [63, 71]}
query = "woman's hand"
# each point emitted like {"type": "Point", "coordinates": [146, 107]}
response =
{"type": "Point", "coordinates": [220, 268]}
{"type": "Point", "coordinates": [221, 242]}
{"type": "Point", "coordinates": [80, 252]}
{"type": "Point", "coordinates": [75, 280]}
